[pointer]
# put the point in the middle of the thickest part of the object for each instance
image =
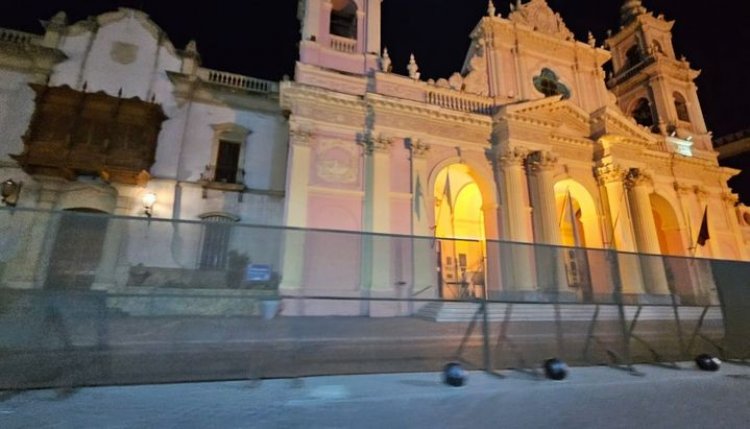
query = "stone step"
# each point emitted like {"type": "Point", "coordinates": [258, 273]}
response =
{"type": "Point", "coordinates": [465, 312]}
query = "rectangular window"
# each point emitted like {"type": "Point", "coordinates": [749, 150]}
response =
{"type": "Point", "coordinates": [227, 162]}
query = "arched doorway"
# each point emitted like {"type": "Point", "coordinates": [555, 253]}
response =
{"type": "Point", "coordinates": [681, 273]}
{"type": "Point", "coordinates": [667, 227]}
{"type": "Point", "coordinates": [578, 223]}
{"type": "Point", "coordinates": [77, 249]}
{"type": "Point", "coordinates": [460, 233]}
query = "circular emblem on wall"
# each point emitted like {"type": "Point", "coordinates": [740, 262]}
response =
{"type": "Point", "coordinates": [337, 163]}
{"type": "Point", "coordinates": [123, 53]}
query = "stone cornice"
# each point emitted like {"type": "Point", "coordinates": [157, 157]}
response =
{"type": "Point", "coordinates": [295, 91]}
{"type": "Point", "coordinates": [664, 68]}
{"type": "Point", "coordinates": [583, 142]}
{"type": "Point", "coordinates": [30, 58]}
{"type": "Point", "coordinates": [646, 20]}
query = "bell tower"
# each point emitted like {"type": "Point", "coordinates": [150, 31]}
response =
{"type": "Point", "coordinates": [341, 35]}
{"type": "Point", "coordinates": [651, 84]}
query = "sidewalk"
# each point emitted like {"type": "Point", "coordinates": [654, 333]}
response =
{"type": "Point", "coordinates": [592, 397]}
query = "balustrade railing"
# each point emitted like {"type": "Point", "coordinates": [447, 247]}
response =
{"type": "Point", "coordinates": [237, 81]}
{"type": "Point", "coordinates": [343, 44]}
{"type": "Point", "coordinates": [223, 174]}
{"type": "Point", "coordinates": [461, 102]}
{"type": "Point", "coordinates": [17, 37]}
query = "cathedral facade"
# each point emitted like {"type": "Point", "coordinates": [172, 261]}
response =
{"type": "Point", "coordinates": [531, 146]}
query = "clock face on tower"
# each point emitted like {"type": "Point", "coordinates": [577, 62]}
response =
{"type": "Point", "coordinates": [549, 84]}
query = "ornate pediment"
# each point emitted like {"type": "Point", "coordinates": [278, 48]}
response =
{"type": "Point", "coordinates": [554, 113]}
{"type": "Point", "coordinates": [611, 122]}
{"type": "Point", "coordinates": [538, 15]}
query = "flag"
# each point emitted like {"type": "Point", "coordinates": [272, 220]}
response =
{"type": "Point", "coordinates": [703, 234]}
{"type": "Point", "coordinates": [447, 190]}
{"type": "Point", "coordinates": [573, 222]}
{"type": "Point", "coordinates": [418, 197]}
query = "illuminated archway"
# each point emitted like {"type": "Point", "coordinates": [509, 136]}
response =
{"type": "Point", "coordinates": [569, 192]}
{"type": "Point", "coordinates": [460, 230]}
{"type": "Point", "coordinates": [667, 227]}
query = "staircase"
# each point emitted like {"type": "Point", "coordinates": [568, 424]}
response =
{"type": "Point", "coordinates": [465, 311]}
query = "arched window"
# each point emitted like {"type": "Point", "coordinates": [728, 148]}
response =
{"type": "Point", "coordinates": [633, 57]}
{"type": "Point", "coordinates": [657, 48]}
{"type": "Point", "coordinates": [344, 19]}
{"type": "Point", "coordinates": [642, 113]}
{"type": "Point", "coordinates": [681, 106]}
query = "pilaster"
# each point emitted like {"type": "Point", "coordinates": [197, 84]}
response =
{"type": "Point", "coordinates": [549, 258]}
{"type": "Point", "coordinates": [295, 210]}
{"type": "Point", "coordinates": [640, 186]}
{"type": "Point", "coordinates": [620, 233]}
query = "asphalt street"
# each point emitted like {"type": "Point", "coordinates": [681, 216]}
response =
{"type": "Point", "coordinates": [591, 397]}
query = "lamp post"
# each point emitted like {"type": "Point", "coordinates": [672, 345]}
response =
{"type": "Point", "coordinates": [10, 190]}
{"type": "Point", "coordinates": [149, 199]}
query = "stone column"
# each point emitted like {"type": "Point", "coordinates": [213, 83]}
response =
{"type": "Point", "coordinates": [663, 100]}
{"type": "Point", "coordinates": [517, 257]}
{"type": "Point", "coordinates": [550, 262]}
{"type": "Point", "coordinates": [423, 250]}
{"type": "Point", "coordinates": [324, 26]}
{"type": "Point", "coordinates": [640, 187]}
{"type": "Point", "coordinates": [361, 32]}
{"type": "Point", "coordinates": [619, 231]}
{"type": "Point", "coordinates": [696, 113]}
{"type": "Point", "coordinates": [295, 214]}
{"type": "Point", "coordinates": [541, 167]}
{"type": "Point", "coordinates": [377, 255]}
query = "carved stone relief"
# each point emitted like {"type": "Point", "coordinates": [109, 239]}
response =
{"type": "Point", "coordinates": [337, 163]}
{"type": "Point", "coordinates": [538, 15]}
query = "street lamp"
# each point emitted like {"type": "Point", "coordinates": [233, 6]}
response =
{"type": "Point", "coordinates": [149, 199]}
{"type": "Point", "coordinates": [10, 190]}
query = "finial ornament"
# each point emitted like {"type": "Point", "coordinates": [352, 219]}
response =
{"type": "Point", "coordinates": [491, 11]}
{"type": "Point", "coordinates": [386, 66]}
{"type": "Point", "coordinates": [191, 47]}
{"type": "Point", "coordinates": [591, 40]}
{"type": "Point", "coordinates": [413, 68]}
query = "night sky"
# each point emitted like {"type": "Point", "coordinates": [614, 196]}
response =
{"type": "Point", "coordinates": [259, 37]}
